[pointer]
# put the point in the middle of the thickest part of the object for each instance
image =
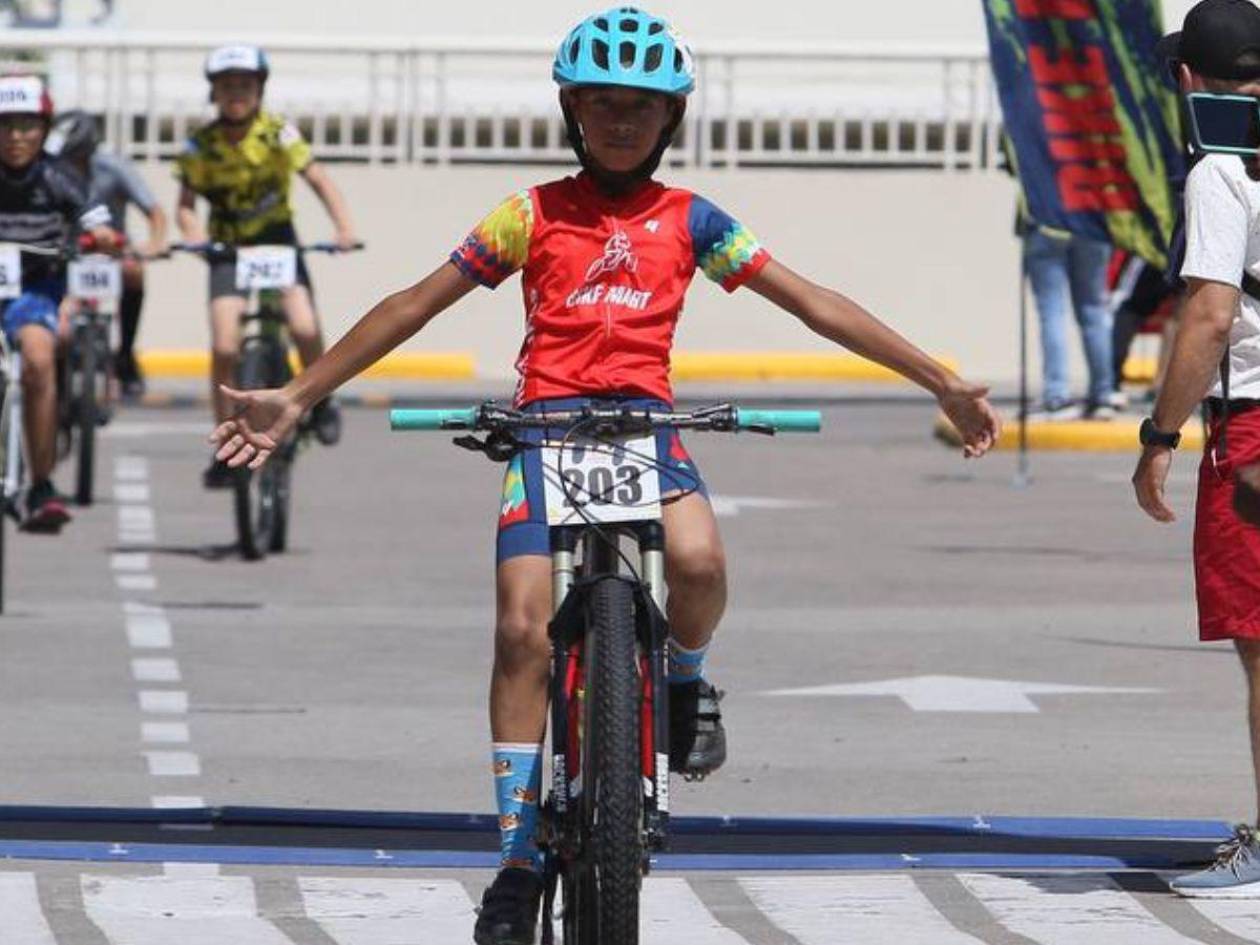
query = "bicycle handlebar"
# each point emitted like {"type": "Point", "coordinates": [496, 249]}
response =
{"type": "Point", "coordinates": [721, 418]}
{"type": "Point", "coordinates": [224, 251]}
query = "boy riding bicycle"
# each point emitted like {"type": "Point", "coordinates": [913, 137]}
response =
{"type": "Point", "coordinates": [243, 163]}
{"type": "Point", "coordinates": [606, 258]}
{"type": "Point", "coordinates": [41, 205]}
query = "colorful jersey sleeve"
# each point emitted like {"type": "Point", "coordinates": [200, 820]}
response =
{"type": "Point", "coordinates": [499, 245]}
{"type": "Point", "coordinates": [725, 249]}
{"type": "Point", "coordinates": [296, 147]}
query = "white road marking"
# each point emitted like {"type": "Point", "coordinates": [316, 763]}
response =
{"type": "Point", "coordinates": [131, 469]}
{"type": "Point", "coordinates": [155, 670]}
{"type": "Point", "coordinates": [177, 801]}
{"type": "Point", "coordinates": [163, 701]}
{"type": "Point", "coordinates": [22, 919]}
{"type": "Point", "coordinates": [670, 911]}
{"type": "Point", "coordinates": [132, 562]}
{"type": "Point", "coordinates": [371, 911]}
{"type": "Point", "coordinates": [959, 693]}
{"type": "Point", "coordinates": [126, 430]}
{"type": "Point", "coordinates": [135, 518]}
{"type": "Point", "coordinates": [856, 910]}
{"type": "Point", "coordinates": [173, 764]}
{"type": "Point", "coordinates": [136, 582]}
{"type": "Point", "coordinates": [160, 910]}
{"type": "Point", "coordinates": [1069, 909]}
{"type": "Point", "coordinates": [729, 506]}
{"type": "Point", "coordinates": [1239, 917]}
{"type": "Point", "coordinates": [135, 492]}
{"type": "Point", "coordinates": [191, 870]}
{"type": "Point", "coordinates": [165, 733]}
{"type": "Point", "coordinates": [148, 629]}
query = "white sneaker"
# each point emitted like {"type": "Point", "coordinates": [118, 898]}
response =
{"type": "Point", "coordinates": [1118, 400]}
{"type": "Point", "coordinates": [1103, 412]}
{"type": "Point", "coordinates": [1056, 413]}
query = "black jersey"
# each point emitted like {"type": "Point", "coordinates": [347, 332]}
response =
{"type": "Point", "coordinates": [45, 204]}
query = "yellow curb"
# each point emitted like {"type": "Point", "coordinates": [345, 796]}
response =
{"type": "Point", "coordinates": [1085, 436]}
{"type": "Point", "coordinates": [404, 365]}
{"type": "Point", "coordinates": [1140, 370]}
{"type": "Point", "coordinates": [788, 366]}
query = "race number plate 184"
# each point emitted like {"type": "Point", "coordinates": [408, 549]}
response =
{"type": "Point", "coordinates": [94, 277]}
{"type": "Point", "coordinates": [613, 480]}
{"type": "Point", "coordinates": [10, 271]}
{"type": "Point", "coordinates": [266, 267]}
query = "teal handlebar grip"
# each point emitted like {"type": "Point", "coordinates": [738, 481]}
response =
{"type": "Point", "coordinates": [781, 421]}
{"type": "Point", "coordinates": [464, 419]}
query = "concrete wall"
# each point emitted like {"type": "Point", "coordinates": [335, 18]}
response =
{"type": "Point", "coordinates": [931, 253]}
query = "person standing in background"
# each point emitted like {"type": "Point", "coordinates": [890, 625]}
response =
{"type": "Point", "coordinates": [113, 181]}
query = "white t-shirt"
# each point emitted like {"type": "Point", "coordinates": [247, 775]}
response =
{"type": "Point", "coordinates": [1223, 240]}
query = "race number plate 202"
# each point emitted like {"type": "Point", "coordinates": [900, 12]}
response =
{"type": "Point", "coordinates": [94, 277]}
{"type": "Point", "coordinates": [266, 267]}
{"type": "Point", "coordinates": [607, 481]}
{"type": "Point", "coordinates": [10, 271]}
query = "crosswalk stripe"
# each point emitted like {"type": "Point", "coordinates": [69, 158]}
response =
{"type": "Point", "coordinates": [861, 910]}
{"type": "Point", "coordinates": [670, 911]}
{"type": "Point", "coordinates": [1239, 917]}
{"type": "Point", "coordinates": [160, 910]}
{"type": "Point", "coordinates": [369, 911]}
{"type": "Point", "coordinates": [21, 916]}
{"type": "Point", "coordinates": [1064, 909]}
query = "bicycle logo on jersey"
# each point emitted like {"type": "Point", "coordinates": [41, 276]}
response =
{"type": "Point", "coordinates": [618, 254]}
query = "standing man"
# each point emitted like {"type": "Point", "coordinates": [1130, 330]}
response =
{"type": "Point", "coordinates": [1218, 50]}
{"type": "Point", "coordinates": [113, 181]}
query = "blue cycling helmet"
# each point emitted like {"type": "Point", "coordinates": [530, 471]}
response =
{"type": "Point", "coordinates": [628, 47]}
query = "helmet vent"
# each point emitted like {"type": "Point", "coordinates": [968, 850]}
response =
{"type": "Point", "coordinates": [574, 47]}
{"type": "Point", "coordinates": [601, 24]}
{"type": "Point", "coordinates": [652, 61]}
{"type": "Point", "coordinates": [657, 27]}
{"type": "Point", "coordinates": [599, 52]}
{"type": "Point", "coordinates": [627, 55]}
{"type": "Point", "coordinates": [679, 62]}
{"type": "Point", "coordinates": [629, 26]}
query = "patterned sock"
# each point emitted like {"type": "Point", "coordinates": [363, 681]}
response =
{"type": "Point", "coordinates": [517, 784]}
{"type": "Point", "coordinates": [685, 665]}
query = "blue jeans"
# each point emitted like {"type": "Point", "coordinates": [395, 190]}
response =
{"type": "Point", "coordinates": [1071, 273]}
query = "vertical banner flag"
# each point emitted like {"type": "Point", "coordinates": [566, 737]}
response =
{"type": "Point", "coordinates": [1092, 120]}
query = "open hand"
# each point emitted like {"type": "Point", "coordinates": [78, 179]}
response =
{"type": "Point", "coordinates": [1148, 483]}
{"type": "Point", "coordinates": [260, 422]}
{"type": "Point", "coordinates": [973, 416]}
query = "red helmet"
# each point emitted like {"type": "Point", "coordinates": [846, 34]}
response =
{"type": "Point", "coordinates": [25, 95]}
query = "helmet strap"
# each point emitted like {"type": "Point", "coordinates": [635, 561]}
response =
{"type": "Point", "coordinates": [620, 183]}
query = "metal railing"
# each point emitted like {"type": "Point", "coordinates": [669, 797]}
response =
{"type": "Point", "coordinates": [488, 101]}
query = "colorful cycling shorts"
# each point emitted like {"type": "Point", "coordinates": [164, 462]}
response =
{"type": "Point", "coordinates": [523, 514]}
{"type": "Point", "coordinates": [37, 305]}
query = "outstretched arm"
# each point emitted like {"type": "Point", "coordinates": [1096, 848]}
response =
{"type": "Point", "coordinates": [331, 197]}
{"type": "Point", "coordinates": [264, 417]}
{"type": "Point", "coordinates": [840, 319]}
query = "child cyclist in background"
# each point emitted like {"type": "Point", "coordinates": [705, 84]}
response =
{"type": "Point", "coordinates": [606, 258]}
{"type": "Point", "coordinates": [41, 205]}
{"type": "Point", "coordinates": [243, 163]}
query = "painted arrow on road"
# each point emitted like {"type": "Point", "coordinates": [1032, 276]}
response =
{"type": "Point", "coordinates": [729, 506]}
{"type": "Point", "coordinates": [959, 693]}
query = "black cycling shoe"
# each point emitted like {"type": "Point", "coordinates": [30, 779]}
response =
{"type": "Point", "coordinates": [697, 740]}
{"type": "Point", "coordinates": [326, 421]}
{"type": "Point", "coordinates": [509, 908]}
{"type": "Point", "coordinates": [218, 475]}
{"type": "Point", "coordinates": [46, 510]}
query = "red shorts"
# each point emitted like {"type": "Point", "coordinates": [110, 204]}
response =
{"type": "Point", "coordinates": [1227, 550]}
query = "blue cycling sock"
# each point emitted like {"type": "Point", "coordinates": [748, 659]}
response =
{"type": "Point", "coordinates": [517, 784]}
{"type": "Point", "coordinates": [685, 665]}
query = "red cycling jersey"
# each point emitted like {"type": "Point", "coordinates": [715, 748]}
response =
{"type": "Point", "coordinates": [604, 280]}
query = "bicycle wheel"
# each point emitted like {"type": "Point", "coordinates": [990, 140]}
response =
{"type": "Point", "coordinates": [602, 887]}
{"type": "Point", "coordinates": [256, 492]}
{"type": "Point", "coordinates": [84, 363]}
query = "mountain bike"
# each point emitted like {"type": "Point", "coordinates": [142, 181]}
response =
{"type": "Point", "coordinates": [608, 806]}
{"type": "Point", "coordinates": [261, 498]}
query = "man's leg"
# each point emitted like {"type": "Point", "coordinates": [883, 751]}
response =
{"type": "Point", "coordinates": [1045, 261]}
{"type": "Point", "coordinates": [695, 571]}
{"type": "Point", "coordinates": [129, 307]}
{"type": "Point", "coordinates": [1249, 654]}
{"type": "Point", "coordinates": [225, 343]}
{"type": "Point", "coordinates": [518, 719]}
{"type": "Point", "coordinates": [299, 308]}
{"type": "Point", "coordinates": [45, 511]}
{"type": "Point", "coordinates": [1088, 260]}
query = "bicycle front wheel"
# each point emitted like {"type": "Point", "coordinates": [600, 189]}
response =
{"type": "Point", "coordinates": [602, 886]}
{"type": "Point", "coordinates": [84, 363]}
{"type": "Point", "coordinates": [257, 493]}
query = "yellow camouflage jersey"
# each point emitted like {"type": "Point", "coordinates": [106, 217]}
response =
{"type": "Point", "coordinates": [247, 184]}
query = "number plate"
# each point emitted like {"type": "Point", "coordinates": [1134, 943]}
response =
{"type": "Point", "coordinates": [610, 481]}
{"type": "Point", "coordinates": [10, 271]}
{"type": "Point", "coordinates": [94, 277]}
{"type": "Point", "coordinates": [266, 267]}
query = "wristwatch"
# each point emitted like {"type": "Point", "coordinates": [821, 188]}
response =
{"type": "Point", "coordinates": [1150, 435]}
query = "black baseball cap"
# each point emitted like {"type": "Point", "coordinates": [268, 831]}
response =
{"type": "Point", "coordinates": [1220, 39]}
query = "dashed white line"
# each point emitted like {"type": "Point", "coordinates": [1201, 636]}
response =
{"type": "Point", "coordinates": [177, 801]}
{"type": "Point", "coordinates": [155, 670]}
{"type": "Point", "coordinates": [173, 764]}
{"type": "Point", "coordinates": [134, 492]}
{"type": "Point", "coordinates": [148, 629]}
{"type": "Point", "coordinates": [136, 582]}
{"type": "Point", "coordinates": [168, 733]}
{"type": "Point", "coordinates": [163, 701]}
{"type": "Point", "coordinates": [132, 562]}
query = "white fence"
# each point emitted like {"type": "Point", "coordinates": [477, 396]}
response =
{"type": "Point", "coordinates": [487, 101]}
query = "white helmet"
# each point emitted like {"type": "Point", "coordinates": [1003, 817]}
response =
{"type": "Point", "coordinates": [238, 59]}
{"type": "Point", "coordinates": [24, 95]}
